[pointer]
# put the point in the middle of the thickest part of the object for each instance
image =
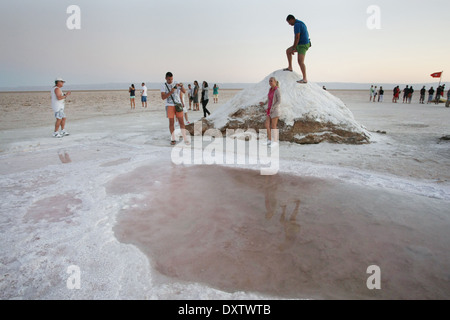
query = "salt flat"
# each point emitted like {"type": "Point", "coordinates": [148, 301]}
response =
{"type": "Point", "coordinates": [72, 201]}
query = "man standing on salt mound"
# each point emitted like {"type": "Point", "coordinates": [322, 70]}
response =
{"type": "Point", "coordinates": [301, 45]}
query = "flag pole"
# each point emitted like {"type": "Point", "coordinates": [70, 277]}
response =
{"type": "Point", "coordinates": [440, 79]}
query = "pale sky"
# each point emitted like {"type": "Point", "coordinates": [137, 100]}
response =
{"type": "Point", "coordinates": [220, 41]}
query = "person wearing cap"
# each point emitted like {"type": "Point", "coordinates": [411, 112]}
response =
{"type": "Point", "coordinates": [58, 103]}
{"type": "Point", "coordinates": [301, 44]}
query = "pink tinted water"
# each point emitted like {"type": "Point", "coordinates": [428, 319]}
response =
{"type": "Point", "coordinates": [283, 235]}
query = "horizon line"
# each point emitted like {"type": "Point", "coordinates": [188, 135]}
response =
{"type": "Point", "coordinates": [223, 83]}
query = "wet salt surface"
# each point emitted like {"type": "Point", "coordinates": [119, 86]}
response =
{"type": "Point", "coordinates": [55, 211]}
{"type": "Point", "coordinates": [285, 236]}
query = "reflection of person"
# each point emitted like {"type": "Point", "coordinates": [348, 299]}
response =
{"type": "Point", "coordinates": [64, 156]}
{"type": "Point", "coordinates": [301, 45]}
{"type": "Point", "coordinates": [273, 111]}
{"type": "Point", "coordinates": [270, 195]}
{"type": "Point", "coordinates": [169, 92]}
{"type": "Point", "coordinates": [132, 91]}
{"type": "Point", "coordinates": [58, 105]}
{"type": "Point", "coordinates": [290, 225]}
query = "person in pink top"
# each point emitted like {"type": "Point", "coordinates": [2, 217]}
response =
{"type": "Point", "coordinates": [273, 111]}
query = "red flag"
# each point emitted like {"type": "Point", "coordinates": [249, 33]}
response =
{"type": "Point", "coordinates": [436, 74]}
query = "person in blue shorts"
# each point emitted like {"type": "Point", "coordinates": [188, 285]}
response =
{"type": "Point", "coordinates": [144, 95]}
{"type": "Point", "coordinates": [301, 45]}
{"type": "Point", "coordinates": [132, 91]}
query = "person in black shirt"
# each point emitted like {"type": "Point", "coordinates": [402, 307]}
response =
{"type": "Point", "coordinates": [380, 94]}
{"type": "Point", "coordinates": [438, 95]}
{"type": "Point", "coordinates": [132, 91]}
{"type": "Point", "coordinates": [410, 94]}
{"type": "Point", "coordinates": [430, 95]}
{"type": "Point", "coordinates": [423, 92]}
{"type": "Point", "coordinates": [405, 94]}
{"type": "Point", "coordinates": [205, 98]}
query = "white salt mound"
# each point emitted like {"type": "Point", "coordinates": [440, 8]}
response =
{"type": "Point", "coordinates": [309, 114]}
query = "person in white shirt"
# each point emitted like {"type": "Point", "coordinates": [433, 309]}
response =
{"type": "Point", "coordinates": [58, 105]}
{"type": "Point", "coordinates": [144, 95]}
{"type": "Point", "coordinates": [183, 102]}
{"type": "Point", "coordinates": [170, 93]}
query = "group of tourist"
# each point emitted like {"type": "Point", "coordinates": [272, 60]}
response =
{"type": "Point", "coordinates": [408, 93]}
{"type": "Point", "coordinates": [374, 92]}
{"type": "Point", "coordinates": [193, 94]}
{"type": "Point", "coordinates": [174, 93]}
{"type": "Point", "coordinates": [144, 94]}
{"type": "Point", "coordinates": [440, 91]}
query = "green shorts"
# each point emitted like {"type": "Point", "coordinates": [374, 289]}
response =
{"type": "Point", "coordinates": [302, 48]}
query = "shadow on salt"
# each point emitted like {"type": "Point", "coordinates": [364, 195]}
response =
{"type": "Point", "coordinates": [285, 236]}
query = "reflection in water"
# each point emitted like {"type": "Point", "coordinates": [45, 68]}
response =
{"type": "Point", "coordinates": [64, 156]}
{"type": "Point", "coordinates": [288, 236]}
{"type": "Point", "coordinates": [290, 224]}
{"type": "Point", "coordinates": [291, 227]}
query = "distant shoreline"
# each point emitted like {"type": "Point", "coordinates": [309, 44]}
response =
{"type": "Point", "coordinates": [156, 90]}
{"type": "Point", "coordinates": [151, 90]}
{"type": "Point", "coordinates": [335, 86]}
{"type": "Point", "coordinates": [98, 90]}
